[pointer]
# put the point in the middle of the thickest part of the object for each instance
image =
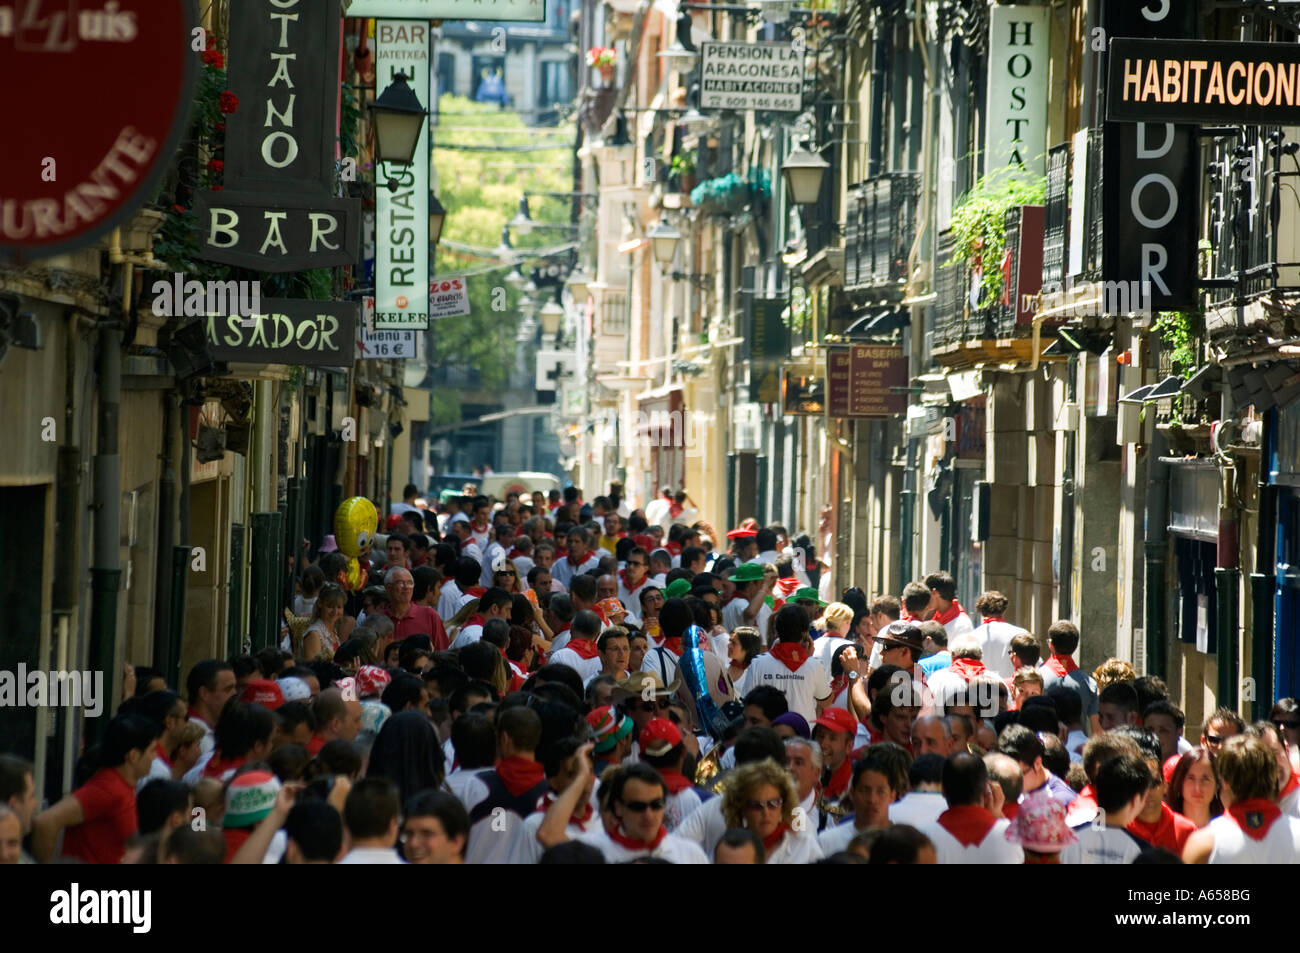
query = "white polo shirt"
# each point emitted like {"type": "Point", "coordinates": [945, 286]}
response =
{"type": "Point", "coordinates": [803, 687]}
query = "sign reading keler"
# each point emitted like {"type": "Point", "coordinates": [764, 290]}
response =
{"type": "Point", "coordinates": [1203, 82]}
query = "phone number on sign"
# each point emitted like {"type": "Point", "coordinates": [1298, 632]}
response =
{"type": "Point", "coordinates": [781, 103]}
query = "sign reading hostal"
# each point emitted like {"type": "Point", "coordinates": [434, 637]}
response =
{"type": "Point", "coordinates": [520, 11]}
{"type": "Point", "coordinates": [751, 76]}
{"type": "Point", "coordinates": [287, 331]}
{"type": "Point", "coordinates": [96, 102]}
{"type": "Point", "coordinates": [1016, 123]}
{"type": "Point", "coordinates": [866, 381]}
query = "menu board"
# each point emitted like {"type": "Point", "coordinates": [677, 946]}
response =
{"type": "Point", "coordinates": [866, 381]}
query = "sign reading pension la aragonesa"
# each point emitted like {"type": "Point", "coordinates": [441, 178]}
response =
{"type": "Point", "coordinates": [751, 76]}
{"type": "Point", "coordinates": [277, 210]}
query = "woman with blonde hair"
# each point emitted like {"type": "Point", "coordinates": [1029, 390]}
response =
{"type": "Point", "coordinates": [761, 797]}
{"type": "Point", "coordinates": [1111, 671]}
{"type": "Point", "coordinates": [321, 640]}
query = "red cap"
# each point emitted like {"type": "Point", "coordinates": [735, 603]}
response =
{"type": "Point", "coordinates": [645, 541]}
{"type": "Point", "coordinates": [838, 720]}
{"type": "Point", "coordinates": [659, 737]}
{"type": "Point", "coordinates": [742, 533]}
{"type": "Point", "coordinates": [264, 692]}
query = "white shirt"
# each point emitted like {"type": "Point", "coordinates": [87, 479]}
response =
{"type": "Point", "coordinates": [824, 648]}
{"type": "Point", "coordinates": [1281, 845]}
{"type": "Point", "coordinates": [491, 553]}
{"type": "Point", "coordinates": [656, 511]}
{"type": "Point", "coordinates": [960, 625]}
{"type": "Point", "coordinates": [680, 806]}
{"type": "Point", "coordinates": [372, 855]}
{"type": "Point", "coordinates": [767, 556]}
{"type": "Point", "coordinates": [837, 838]}
{"type": "Point", "coordinates": [563, 571]}
{"type": "Point", "coordinates": [918, 808]}
{"type": "Point", "coordinates": [467, 636]}
{"type": "Point", "coordinates": [672, 848]}
{"type": "Point", "coordinates": [209, 739]}
{"type": "Point", "coordinates": [459, 781]}
{"type": "Point", "coordinates": [588, 668]}
{"type": "Point", "coordinates": [450, 599]}
{"type": "Point", "coordinates": [733, 616]}
{"type": "Point", "coordinates": [529, 850]}
{"type": "Point", "coordinates": [802, 688]}
{"type": "Point", "coordinates": [157, 769]}
{"type": "Point", "coordinates": [1289, 804]}
{"type": "Point", "coordinates": [796, 848]}
{"type": "Point", "coordinates": [995, 639]}
{"type": "Point", "coordinates": [993, 849]}
{"type": "Point", "coordinates": [704, 826]}
{"type": "Point", "coordinates": [662, 662]}
{"type": "Point", "coordinates": [1106, 845]}
{"type": "Point", "coordinates": [631, 598]}
{"type": "Point", "coordinates": [811, 813]}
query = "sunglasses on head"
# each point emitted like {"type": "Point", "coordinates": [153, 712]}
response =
{"type": "Point", "coordinates": [640, 807]}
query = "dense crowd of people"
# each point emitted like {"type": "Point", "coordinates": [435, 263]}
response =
{"type": "Point", "coordinates": [542, 680]}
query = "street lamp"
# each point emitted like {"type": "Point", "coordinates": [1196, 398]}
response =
{"type": "Point", "coordinates": [551, 316]}
{"type": "Point", "coordinates": [803, 171]}
{"type": "Point", "coordinates": [776, 11]}
{"type": "Point", "coordinates": [663, 242]}
{"type": "Point", "coordinates": [437, 215]}
{"type": "Point", "coordinates": [505, 250]}
{"type": "Point", "coordinates": [577, 283]}
{"type": "Point", "coordinates": [516, 278]}
{"type": "Point", "coordinates": [398, 119]}
{"type": "Point", "coordinates": [523, 221]}
{"type": "Point", "coordinates": [678, 57]}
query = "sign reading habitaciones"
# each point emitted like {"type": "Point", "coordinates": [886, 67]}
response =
{"type": "Point", "coordinates": [751, 76]}
{"type": "Point", "coordinates": [277, 210]}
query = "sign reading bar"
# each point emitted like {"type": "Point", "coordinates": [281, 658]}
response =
{"type": "Point", "coordinates": [866, 381]}
{"type": "Point", "coordinates": [287, 331]}
{"type": "Point", "coordinates": [292, 233]}
{"type": "Point", "coordinates": [522, 11]}
{"type": "Point", "coordinates": [97, 100]}
{"type": "Point", "coordinates": [402, 217]}
{"type": "Point", "coordinates": [1016, 127]}
{"type": "Point", "coordinates": [1204, 82]}
{"type": "Point", "coordinates": [751, 76]}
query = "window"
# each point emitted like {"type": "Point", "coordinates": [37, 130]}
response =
{"type": "Point", "coordinates": [556, 84]}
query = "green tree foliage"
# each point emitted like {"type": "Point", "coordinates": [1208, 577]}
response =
{"type": "Point", "coordinates": [481, 191]}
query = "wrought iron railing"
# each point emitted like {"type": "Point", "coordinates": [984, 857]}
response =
{"type": "Point", "coordinates": [880, 227]}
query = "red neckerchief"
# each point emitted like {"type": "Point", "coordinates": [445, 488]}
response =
{"type": "Point", "coordinates": [967, 668]}
{"type": "Point", "coordinates": [675, 781]}
{"type": "Point", "coordinates": [908, 617]}
{"type": "Point", "coordinates": [584, 647]}
{"type": "Point", "coordinates": [1010, 810]}
{"type": "Point", "coordinates": [1087, 797]}
{"type": "Point", "coordinates": [519, 774]}
{"type": "Point", "coordinates": [475, 619]}
{"type": "Point", "coordinates": [1060, 665]}
{"type": "Point", "coordinates": [1255, 816]}
{"type": "Point", "coordinates": [218, 765]}
{"type": "Point", "coordinates": [631, 589]}
{"type": "Point", "coordinates": [514, 553]}
{"type": "Point", "coordinates": [774, 838]}
{"type": "Point", "coordinates": [577, 564]}
{"type": "Point", "coordinates": [1292, 783]}
{"type": "Point", "coordinates": [838, 684]}
{"type": "Point", "coordinates": [158, 750]}
{"type": "Point", "coordinates": [994, 618]}
{"type": "Point", "coordinates": [675, 509]}
{"type": "Point", "coordinates": [674, 549]}
{"type": "Point", "coordinates": [673, 645]}
{"type": "Point", "coordinates": [790, 654]}
{"type": "Point", "coordinates": [839, 781]}
{"type": "Point", "coordinates": [476, 591]}
{"type": "Point", "coordinates": [1161, 833]}
{"type": "Point", "coordinates": [314, 744]}
{"type": "Point", "coordinates": [618, 837]}
{"type": "Point", "coordinates": [561, 553]}
{"type": "Point", "coordinates": [943, 618]}
{"type": "Point", "coordinates": [197, 717]}
{"type": "Point", "coordinates": [787, 586]}
{"type": "Point", "coordinates": [580, 820]}
{"type": "Point", "coordinates": [477, 528]}
{"type": "Point", "coordinates": [969, 823]}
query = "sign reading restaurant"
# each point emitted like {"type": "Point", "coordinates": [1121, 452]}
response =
{"type": "Point", "coordinates": [1203, 82]}
{"type": "Point", "coordinates": [751, 76]}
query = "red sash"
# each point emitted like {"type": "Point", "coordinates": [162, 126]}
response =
{"type": "Point", "coordinates": [969, 823]}
{"type": "Point", "coordinates": [790, 654]}
{"type": "Point", "coordinates": [1255, 816]}
{"type": "Point", "coordinates": [1060, 665]}
{"type": "Point", "coordinates": [519, 774]}
{"type": "Point", "coordinates": [618, 837]}
{"type": "Point", "coordinates": [584, 647]}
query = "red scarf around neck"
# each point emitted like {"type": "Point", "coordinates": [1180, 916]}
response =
{"type": "Point", "coordinates": [1254, 816]}
{"type": "Point", "coordinates": [1292, 783]}
{"type": "Point", "coordinates": [943, 618]}
{"type": "Point", "coordinates": [969, 823]}
{"type": "Point", "coordinates": [790, 654]}
{"type": "Point", "coordinates": [786, 587]}
{"type": "Point", "coordinates": [475, 591]}
{"type": "Point", "coordinates": [967, 668]}
{"type": "Point", "coordinates": [838, 784]}
{"type": "Point", "coordinates": [774, 838]}
{"type": "Point", "coordinates": [584, 647]}
{"type": "Point", "coordinates": [1060, 665]}
{"type": "Point", "coordinates": [218, 765]}
{"type": "Point", "coordinates": [994, 618]}
{"type": "Point", "coordinates": [675, 781]}
{"type": "Point", "coordinates": [519, 774]}
{"type": "Point", "coordinates": [631, 589]}
{"type": "Point", "coordinates": [580, 819]}
{"type": "Point", "coordinates": [673, 645]}
{"type": "Point", "coordinates": [618, 837]}
{"type": "Point", "coordinates": [162, 755]}
{"type": "Point", "coordinates": [475, 619]}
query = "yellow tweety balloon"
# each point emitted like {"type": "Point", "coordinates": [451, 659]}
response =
{"type": "Point", "coordinates": [354, 523]}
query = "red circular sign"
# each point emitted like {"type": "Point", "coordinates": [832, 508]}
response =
{"type": "Point", "coordinates": [99, 95]}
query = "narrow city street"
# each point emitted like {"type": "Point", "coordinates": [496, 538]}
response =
{"type": "Point", "coordinates": [635, 431]}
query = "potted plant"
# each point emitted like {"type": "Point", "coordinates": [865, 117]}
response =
{"type": "Point", "coordinates": [605, 59]}
{"type": "Point", "coordinates": [682, 168]}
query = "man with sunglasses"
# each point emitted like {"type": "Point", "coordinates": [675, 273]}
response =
{"type": "Point", "coordinates": [638, 799]}
{"type": "Point", "coordinates": [1219, 727]}
{"type": "Point", "coordinates": [633, 579]}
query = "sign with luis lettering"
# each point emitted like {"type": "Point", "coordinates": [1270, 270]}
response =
{"type": "Point", "coordinates": [287, 331]}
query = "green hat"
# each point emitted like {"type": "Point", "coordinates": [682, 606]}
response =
{"type": "Point", "coordinates": [749, 572]}
{"type": "Point", "coordinates": [806, 592]}
{"type": "Point", "coordinates": [677, 588]}
{"type": "Point", "coordinates": [249, 798]}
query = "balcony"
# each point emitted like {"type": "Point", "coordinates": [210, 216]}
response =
{"type": "Point", "coordinates": [880, 227]}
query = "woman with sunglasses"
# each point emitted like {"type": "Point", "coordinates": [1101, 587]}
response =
{"type": "Point", "coordinates": [507, 578]}
{"type": "Point", "coordinates": [761, 797]}
{"type": "Point", "coordinates": [1285, 716]}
